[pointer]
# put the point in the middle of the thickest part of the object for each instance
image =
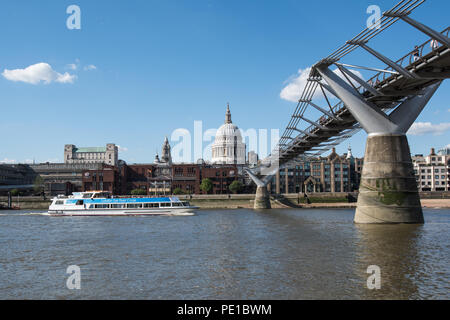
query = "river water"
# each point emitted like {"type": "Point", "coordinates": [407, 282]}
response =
{"type": "Point", "coordinates": [223, 254]}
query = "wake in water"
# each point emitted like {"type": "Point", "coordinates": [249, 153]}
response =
{"type": "Point", "coordinates": [46, 214]}
{"type": "Point", "coordinates": [10, 213]}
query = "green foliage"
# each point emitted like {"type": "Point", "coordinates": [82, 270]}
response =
{"type": "Point", "coordinates": [38, 184]}
{"type": "Point", "coordinates": [14, 192]}
{"type": "Point", "coordinates": [178, 191]}
{"type": "Point", "coordinates": [236, 186]}
{"type": "Point", "coordinates": [138, 192]}
{"type": "Point", "coordinates": [206, 185]}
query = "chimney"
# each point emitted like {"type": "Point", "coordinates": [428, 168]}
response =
{"type": "Point", "coordinates": [432, 152]}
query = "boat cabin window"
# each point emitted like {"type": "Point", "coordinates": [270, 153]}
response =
{"type": "Point", "coordinates": [186, 204]}
{"type": "Point", "coordinates": [165, 204]}
{"type": "Point", "coordinates": [177, 204]}
{"type": "Point", "coordinates": [117, 205]}
{"type": "Point", "coordinates": [59, 202]}
{"type": "Point", "coordinates": [79, 203]}
{"type": "Point", "coordinates": [102, 195]}
{"type": "Point", "coordinates": [134, 205]}
{"type": "Point", "coordinates": [87, 195]}
{"type": "Point", "coordinates": [102, 206]}
{"type": "Point", "coordinates": [151, 205]}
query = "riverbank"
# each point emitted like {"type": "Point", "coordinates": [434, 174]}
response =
{"type": "Point", "coordinates": [242, 202]}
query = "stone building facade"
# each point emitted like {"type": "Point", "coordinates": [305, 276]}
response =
{"type": "Point", "coordinates": [228, 146]}
{"type": "Point", "coordinates": [432, 171]}
{"type": "Point", "coordinates": [108, 155]}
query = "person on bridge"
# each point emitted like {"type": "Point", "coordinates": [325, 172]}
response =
{"type": "Point", "coordinates": [416, 53]}
{"type": "Point", "coordinates": [434, 44]}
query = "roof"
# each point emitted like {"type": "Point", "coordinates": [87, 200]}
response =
{"type": "Point", "coordinates": [91, 149]}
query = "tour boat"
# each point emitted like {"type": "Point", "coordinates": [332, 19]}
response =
{"type": "Point", "coordinates": [100, 203]}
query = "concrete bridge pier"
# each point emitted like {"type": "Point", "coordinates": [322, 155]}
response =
{"type": "Point", "coordinates": [388, 190]}
{"type": "Point", "coordinates": [262, 198]}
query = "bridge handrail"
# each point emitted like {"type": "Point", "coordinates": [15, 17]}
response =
{"type": "Point", "coordinates": [420, 50]}
{"type": "Point", "coordinates": [375, 80]}
{"type": "Point", "coordinates": [413, 59]}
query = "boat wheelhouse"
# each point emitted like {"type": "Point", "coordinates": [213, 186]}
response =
{"type": "Point", "coordinates": [100, 203]}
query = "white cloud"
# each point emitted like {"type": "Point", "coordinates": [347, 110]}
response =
{"type": "Point", "coordinates": [8, 161]}
{"type": "Point", "coordinates": [90, 67]}
{"type": "Point", "coordinates": [54, 160]}
{"type": "Point", "coordinates": [448, 110]}
{"type": "Point", "coordinates": [422, 128]}
{"type": "Point", "coordinates": [123, 149]}
{"type": "Point", "coordinates": [72, 66]}
{"type": "Point", "coordinates": [296, 84]}
{"type": "Point", "coordinates": [36, 73]}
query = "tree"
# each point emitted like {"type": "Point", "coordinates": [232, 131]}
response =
{"type": "Point", "coordinates": [14, 192]}
{"type": "Point", "coordinates": [236, 186]}
{"type": "Point", "coordinates": [138, 192]}
{"type": "Point", "coordinates": [206, 185]}
{"type": "Point", "coordinates": [178, 191]}
{"type": "Point", "coordinates": [38, 184]}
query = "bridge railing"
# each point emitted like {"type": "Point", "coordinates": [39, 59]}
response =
{"type": "Point", "coordinates": [410, 60]}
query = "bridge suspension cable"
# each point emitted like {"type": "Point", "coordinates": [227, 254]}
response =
{"type": "Point", "coordinates": [336, 124]}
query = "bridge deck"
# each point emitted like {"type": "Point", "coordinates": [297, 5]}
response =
{"type": "Point", "coordinates": [429, 67]}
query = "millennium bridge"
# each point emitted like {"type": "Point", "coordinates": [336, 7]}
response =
{"type": "Point", "coordinates": [385, 106]}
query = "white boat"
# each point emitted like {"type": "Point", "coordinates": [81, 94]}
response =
{"type": "Point", "coordinates": [100, 203]}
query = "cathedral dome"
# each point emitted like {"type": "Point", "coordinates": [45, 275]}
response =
{"type": "Point", "coordinates": [228, 147]}
{"type": "Point", "coordinates": [227, 132]}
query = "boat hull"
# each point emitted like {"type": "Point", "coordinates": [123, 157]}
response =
{"type": "Point", "coordinates": [121, 212]}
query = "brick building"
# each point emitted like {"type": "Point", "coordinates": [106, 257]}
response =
{"type": "Point", "coordinates": [104, 179]}
{"type": "Point", "coordinates": [334, 173]}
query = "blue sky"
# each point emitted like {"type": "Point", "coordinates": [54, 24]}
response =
{"type": "Point", "coordinates": [138, 70]}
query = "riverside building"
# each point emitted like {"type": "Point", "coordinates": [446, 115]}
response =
{"type": "Point", "coordinates": [432, 171]}
{"type": "Point", "coordinates": [108, 155]}
{"type": "Point", "coordinates": [334, 173]}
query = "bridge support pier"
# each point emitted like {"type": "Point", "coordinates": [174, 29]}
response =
{"type": "Point", "coordinates": [388, 190]}
{"type": "Point", "coordinates": [262, 198]}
